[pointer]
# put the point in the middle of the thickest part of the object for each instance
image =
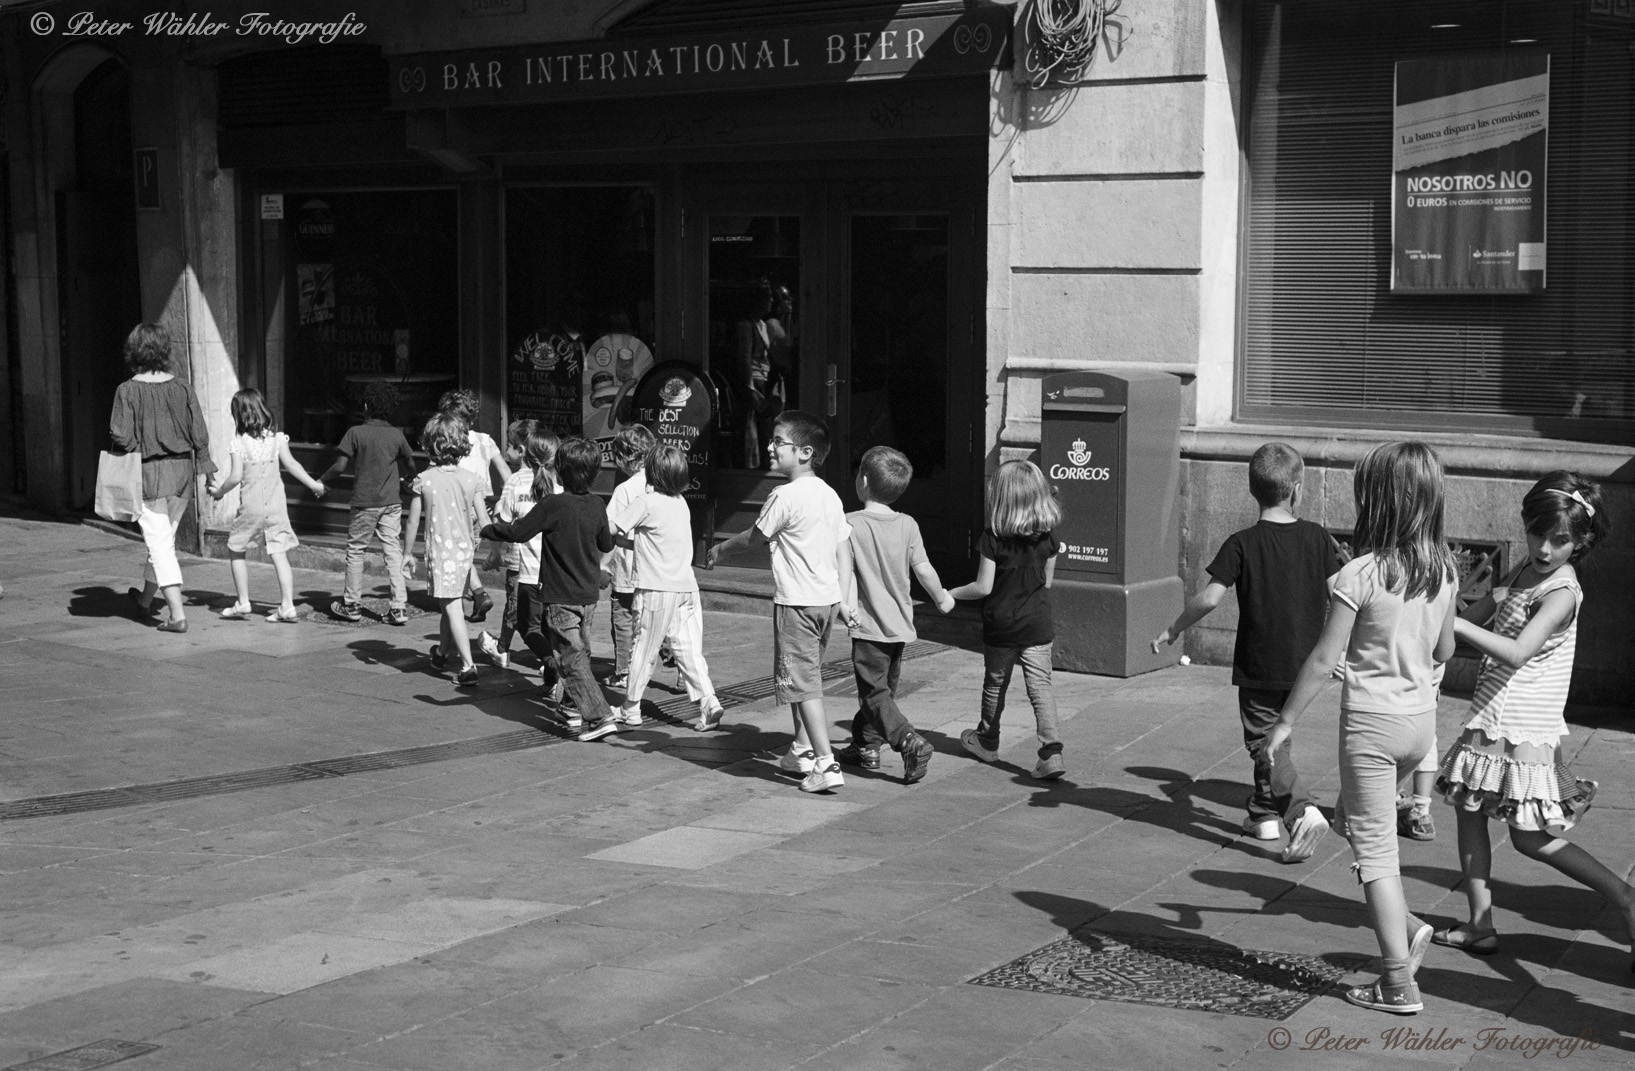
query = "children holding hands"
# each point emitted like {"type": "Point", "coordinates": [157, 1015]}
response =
{"type": "Point", "coordinates": [886, 550]}
{"type": "Point", "coordinates": [1280, 567]}
{"type": "Point", "coordinates": [383, 461]}
{"type": "Point", "coordinates": [804, 523]}
{"type": "Point", "coordinates": [451, 498]}
{"type": "Point", "coordinates": [257, 450]}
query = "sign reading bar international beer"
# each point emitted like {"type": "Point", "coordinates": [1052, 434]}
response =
{"type": "Point", "coordinates": [1467, 198]}
{"type": "Point", "coordinates": [764, 57]}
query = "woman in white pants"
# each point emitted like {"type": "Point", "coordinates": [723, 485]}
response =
{"type": "Point", "coordinates": [157, 415]}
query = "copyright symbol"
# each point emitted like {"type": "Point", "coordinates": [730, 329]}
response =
{"type": "Point", "coordinates": [1278, 1038]}
{"type": "Point", "coordinates": [42, 23]}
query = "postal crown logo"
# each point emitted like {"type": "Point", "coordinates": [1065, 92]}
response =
{"type": "Point", "coordinates": [1078, 454]}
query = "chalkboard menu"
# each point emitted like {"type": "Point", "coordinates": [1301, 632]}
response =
{"type": "Point", "coordinates": [543, 380]}
{"type": "Point", "coordinates": [678, 405]}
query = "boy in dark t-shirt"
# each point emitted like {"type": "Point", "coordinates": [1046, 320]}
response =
{"type": "Point", "coordinates": [382, 460]}
{"type": "Point", "coordinates": [1280, 568]}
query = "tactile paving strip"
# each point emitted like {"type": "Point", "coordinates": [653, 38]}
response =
{"type": "Point", "coordinates": [1196, 975]}
{"type": "Point", "coordinates": [85, 1057]}
{"type": "Point", "coordinates": [676, 711]}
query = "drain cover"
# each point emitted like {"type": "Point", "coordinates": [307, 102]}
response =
{"type": "Point", "coordinates": [96, 1054]}
{"type": "Point", "coordinates": [374, 613]}
{"type": "Point", "coordinates": [1194, 975]}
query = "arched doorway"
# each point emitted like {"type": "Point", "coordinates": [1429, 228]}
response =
{"type": "Point", "coordinates": [99, 296]}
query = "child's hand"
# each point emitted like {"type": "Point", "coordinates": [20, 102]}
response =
{"type": "Point", "coordinates": [606, 581]}
{"type": "Point", "coordinates": [494, 559]}
{"type": "Point", "coordinates": [946, 603]}
{"type": "Point", "coordinates": [1163, 639]}
{"type": "Point", "coordinates": [408, 566]}
{"type": "Point", "coordinates": [1275, 740]}
{"type": "Point", "coordinates": [320, 490]}
{"type": "Point", "coordinates": [712, 555]}
{"type": "Point", "coordinates": [850, 614]}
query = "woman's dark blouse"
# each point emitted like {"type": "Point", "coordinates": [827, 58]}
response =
{"type": "Point", "coordinates": [162, 422]}
{"type": "Point", "coordinates": [1017, 612]}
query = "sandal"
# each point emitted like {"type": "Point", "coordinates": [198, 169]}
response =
{"type": "Point", "coordinates": [1420, 936]}
{"type": "Point", "coordinates": [179, 625]}
{"type": "Point", "coordinates": [236, 612]}
{"type": "Point", "coordinates": [1477, 943]}
{"type": "Point", "coordinates": [1398, 1000]}
{"type": "Point", "coordinates": [277, 617]}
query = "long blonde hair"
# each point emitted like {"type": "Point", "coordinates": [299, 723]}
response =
{"type": "Point", "coordinates": [1021, 502]}
{"type": "Point", "coordinates": [1398, 487]}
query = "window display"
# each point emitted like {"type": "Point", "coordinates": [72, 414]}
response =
{"type": "Point", "coordinates": [754, 332]}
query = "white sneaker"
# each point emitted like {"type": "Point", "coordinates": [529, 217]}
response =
{"type": "Point", "coordinates": [826, 779]}
{"type": "Point", "coordinates": [606, 727]}
{"type": "Point", "coordinates": [797, 762]}
{"type": "Point", "coordinates": [1308, 830]}
{"type": "Point", "coordinates": [631, 719]}
{"type": "Point", "coordinates": [710, 714]}
{"type": "Point", "coordinates": [490, 647]}
{"type": "Point", "coordinates": [1265, 829]}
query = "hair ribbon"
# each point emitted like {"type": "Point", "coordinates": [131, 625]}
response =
{"type": "Point", "coordinates": [1576, 497]}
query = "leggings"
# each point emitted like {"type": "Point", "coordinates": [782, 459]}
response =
{"type": "Point", "coordinates": [1376, 752]}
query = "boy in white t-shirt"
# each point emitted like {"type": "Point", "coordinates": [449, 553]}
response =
{"type": "Point", "coordinates": [805, 524]}
{"type": "Point", "coordinates": [483, 457]}
{"type": "Point", "coordinates": [666, 608]}
{"type": "Point", "coordinates": [528, 447]}
{"type": "Point", "coordinates": [630, 449]}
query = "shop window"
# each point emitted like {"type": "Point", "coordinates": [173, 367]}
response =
{"type": "Point", "coordinates": [754, 330]}
{"type": "Point", "coordinates": [579, 305]}
{"type": "Point", "coordinates": [1325, 340]}
{"type": "Point", "coordinates": [370, 294]}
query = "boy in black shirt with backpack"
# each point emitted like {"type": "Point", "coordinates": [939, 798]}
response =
{"type": "Point", "coordinates": [1280, 568]}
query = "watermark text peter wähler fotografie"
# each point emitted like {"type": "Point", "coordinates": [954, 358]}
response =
{"type": "Point", "coordinates": [1432, 1039]}
{"type": "Point", "coordinates": [261, 24]}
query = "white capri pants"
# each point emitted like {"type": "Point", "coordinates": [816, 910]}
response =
{"type": "Point", "coordinates": [1376, 752]}
{"type": "Point", "coordinates": [158, 523]}
{"type": "Point", "coordinates": [675, 615]}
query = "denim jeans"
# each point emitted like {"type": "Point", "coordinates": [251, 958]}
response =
{"type": "Point", "coordinates": [879, 721]}
{"type": "Point", "coordinates": [568, 629]}
{"type": "Point", "coordinates": [997, 665]}
{"type": "Point", "coordinates": [508, 619]}
{"type": "Point", "coordinates": [1279, 792]}
{"type": "Point", "coordinates": [386, 524]}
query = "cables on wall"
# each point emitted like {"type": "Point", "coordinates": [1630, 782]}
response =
{"type": "Point", "coordinates": [1060, 38]}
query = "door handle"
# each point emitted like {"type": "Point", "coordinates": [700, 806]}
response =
{"type": "Point", "coordinates": [829, 387]}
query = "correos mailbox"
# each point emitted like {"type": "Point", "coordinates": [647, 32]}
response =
{"type": "Point", "coordinates": [1110, 445]}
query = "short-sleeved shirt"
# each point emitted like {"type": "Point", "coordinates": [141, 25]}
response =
{"type": "Point", "coordinates": [376, 448]}
{"type": "Point", "coordinates": [886, 546]}
{"type": "Point", "coordinates": [1388, 663]}
{"type": "Point", "coordinates": [1524, 704]}
{"type": "Point", "coordinates": [1017, 611]}
{"type": "Point", "coordinates": [1281, 573]}
{"type": "Point", "coordinates": [516, 499]}
{"type": "Point", "coordinates": [481, 456]}
{"type": "Point", "coordinates": [623, 563]}
{"type": "Point", "coordinates": [805, 524]}
{"type": "Point", "coordinates": [662, 528]}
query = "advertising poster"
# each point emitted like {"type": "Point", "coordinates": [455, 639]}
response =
{"type": "Point", "coordinates": [613, 365]}
{"type": "Point", "coordinates": [679, 406]}
{"type": "Point", "coordinates": [544, 380]}
{"type": "Point", "coordinates": [1468, 173]}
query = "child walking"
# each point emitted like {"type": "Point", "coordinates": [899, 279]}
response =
{"type": "Point", "coordinates": [1507, 764]}
{"type": "Point", "coordinates": [630, 449]}
{"type": "Point", "coordinates": [1280, 568]}
{"type": "Point", "coordinates": [256, 452]}
{"type": "Point", "coordinates": [530, 448]}
{"type": "Point", "coordinates": [886, 550]}
{"type": "Point", "coordinates": [1391, 617]}
{"type": "Point", "coordinates": [451, 499]}
{"type": "Point", "coordinates": [556, 613]}
{"type": "Point", "coordinates": [665, 602]}
{"type": "Point", "coordinates": [483, 457]}
{"type": "Point", "coordinates": [383, 461]}
{"type": "Point", "coordinates": [805, 525]}
{"type": "Point", "coordinates": [1018, 563]}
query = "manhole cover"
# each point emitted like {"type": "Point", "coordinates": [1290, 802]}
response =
{"type": "Point", "coordinates": [96, 1054]}
{"type": "Point", "coordinates": [374, 613]}
{"type": "Point", "coordinates": [1194, 975]}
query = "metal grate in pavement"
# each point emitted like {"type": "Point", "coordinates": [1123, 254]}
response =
{"type": "Point", "coordinates": [676, 711]}
{"type": "Point", "coordinates": [374, 613]}
{"type": "Point", "coordinates": [85, 1057]}
{"type": "Point", "coordinates": [1195, 975]}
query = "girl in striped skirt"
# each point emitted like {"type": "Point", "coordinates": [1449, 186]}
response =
{"type": "Point", "coordinates": [1506, 765]}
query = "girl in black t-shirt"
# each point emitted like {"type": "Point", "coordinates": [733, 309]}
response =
{"type": "Point", "coordinates": [1018, 562]}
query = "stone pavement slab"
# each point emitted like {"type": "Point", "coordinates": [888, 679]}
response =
{"type": "Point", "coordinates": [665, 898]}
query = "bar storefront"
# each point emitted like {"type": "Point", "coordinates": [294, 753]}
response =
{"type": "Point", "coordinates": [795, 210]}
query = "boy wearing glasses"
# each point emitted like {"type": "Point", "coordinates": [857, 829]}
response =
{"type": "Point", "coordinates": [805, 525]}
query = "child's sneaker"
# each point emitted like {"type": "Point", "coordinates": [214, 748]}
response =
{"type": "Point", "coordinates": [710, 714]}
{"type": "Point", "coordinates": [1263, 828]}
{"type": "Point", "coordinates": [613, 723]}
{"type": "Point", "coordinates": [490, 648]}
{"type": "Point", "coordinates": [1050, 768]}
{"type": "Point", "coordinates": [467, 678]}
{"type": "Point", "coordinates": [439, 660]}
{"type": "Point", "coordinates": [667, 658]}
{"type": "Point", "coordinates": [618, 681]}
{"type": "Point", "coordinates": [795, 762]}
{"type": "Point", "coordinates": [826, 779]}
{"type": "Point", "coordinates": [917, 752]}
{"type": "Point", "coordinates": [1308, 829]}
{"type": "Point", "coordinates": [855, 754]}
{"type": "Point", "coordinates": [972, 743]}
{"type": "Point", "coordinates": [397, 615]}
{"type": "Point", "coordinates": [481, 603]}
{"type": "Point", "coordinates": [347, 611]}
